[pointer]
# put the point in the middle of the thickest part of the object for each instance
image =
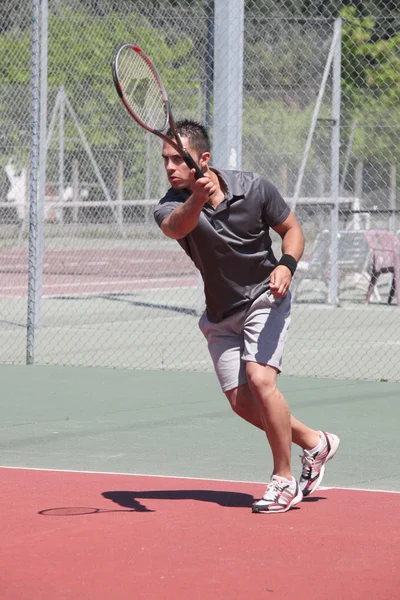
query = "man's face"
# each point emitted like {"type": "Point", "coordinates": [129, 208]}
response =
{"type": "Point", "coordinates": [177, 170]}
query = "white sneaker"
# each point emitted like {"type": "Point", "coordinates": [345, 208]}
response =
{"type": "Point", "coordinates": [314, 463]}
{"type": "Point", "coordinates": [279, 496]}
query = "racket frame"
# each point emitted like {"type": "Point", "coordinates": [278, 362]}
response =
{"type": "Point", "coordinates": [177, 145]}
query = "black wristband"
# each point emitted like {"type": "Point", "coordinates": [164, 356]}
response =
{"type": "Point", "coordinates": [288, 261]}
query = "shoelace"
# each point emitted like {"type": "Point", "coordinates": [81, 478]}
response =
{"type": "Point", "coordinates": [308, 461]}
{"type": "Point", "coordinates": [274, 489]}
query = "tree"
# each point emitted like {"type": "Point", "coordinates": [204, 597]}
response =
{"type": "Point", "coordinates": [80, 49]}
{"type": "Point", "coordinates": [371, 87]}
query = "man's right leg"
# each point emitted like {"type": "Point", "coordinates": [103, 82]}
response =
{"type": "Point", "coordinates": [318, 446]}
{"type": "Point", "coordinates": [226, 346]}
{"type": "Point", "coordinates": [245, 406]}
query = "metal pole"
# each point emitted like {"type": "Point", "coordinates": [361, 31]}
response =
{"type": "Point", "coordinates": [75, 190]}
{"type": "Point", "coordinates": [358, 193]}
{"type": "Point", "coordinates": [392, 198]}
{"type": "Point", "coordinates": [61, 146]}
{"type": "Point", "coordinates": [347, 157]}
{"type": "Point", "coordinates": [209, 79]}
{"type": "Point", "coordinates": [147, 185]}
{"type": "Point", "coordinates": [33, 193]}
{"type": "Point", "coordinates": [314, 120]}
{"type": "Point", "coordinates": [120, 190]}
{"type": "Point", "coordinates": [228, 83]}
{"type": "Point", "coordinates": [335, 170]}
{"type": "Point", "coordinates": [42, 158]}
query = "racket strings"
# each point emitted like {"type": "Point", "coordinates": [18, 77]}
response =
{"type": "Point", "coordinates": [141, 90]}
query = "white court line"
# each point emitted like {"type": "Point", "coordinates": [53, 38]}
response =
{"type": "Point", "coordinates": [354, 489]}
{"type": "Point", "coordinates": [102, 283]}
{"type": "Point", "coordinates": [133, 291]}
{"type": "Point", "coordinates": [351, 489]}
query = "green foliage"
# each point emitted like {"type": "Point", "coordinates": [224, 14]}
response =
{"type": "Point", "coordinates": [15, 50]}
{"type": "Point", "coordinates": [371, 87]}
{"type": "Point", "coordinates": [279, 70]}
{"type": "Point", "coordinates": [269, 125]}
{"type": "Point", "coordinates": [79, 59]}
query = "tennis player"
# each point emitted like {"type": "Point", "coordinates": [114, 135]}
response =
{"type": "Point", "coordinates": [222, 221]}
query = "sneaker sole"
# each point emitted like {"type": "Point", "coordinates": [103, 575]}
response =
{"type": "Point", "coordinates": [296, 500]}
{"type": "Point", "coordinates": [335, 443]}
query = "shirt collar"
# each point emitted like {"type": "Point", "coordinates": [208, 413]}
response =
{"type": "Point", "coordinates": [234, 188]}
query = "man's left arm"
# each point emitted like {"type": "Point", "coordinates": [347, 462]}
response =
{"type": "Point", "coordinates": [292, 250]}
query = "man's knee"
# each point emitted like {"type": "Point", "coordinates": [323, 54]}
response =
{"type": "Point", "coordinates": [261, 377]}
{"type": "Point", "coordinates": [240, 399]}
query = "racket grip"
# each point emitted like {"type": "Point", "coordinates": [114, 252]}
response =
{"type": "Point", "coordinates": [192, 165]}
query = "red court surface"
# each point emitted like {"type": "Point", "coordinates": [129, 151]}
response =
{"type": "Point", "coordinates": [93, 536]}
{"type": "Point", "coordinates": [68, 271]}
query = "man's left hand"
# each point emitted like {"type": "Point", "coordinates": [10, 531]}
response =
{"type": "Point", "coordinates": [280, 281]}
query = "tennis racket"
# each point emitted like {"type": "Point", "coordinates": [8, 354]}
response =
{"type": "Point", "coordinates": [145, 98]}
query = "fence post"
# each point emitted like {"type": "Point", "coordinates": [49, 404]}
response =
{"type": "Point", "coordinates": [43, 28]}
{"type": "Point", "coordinates": [120, 191]}
{"type": "Point", "coordinates": [358, 193]}
{"type": "Point", "coordinates": [33, 194]}
{"type": "Point", "coordinates": [61, 147]}
{"type": "Point", "coordinates": [228, 83]}
{"type": "Point", "coordinates": [393, 194]}
{"type": "Point", "coordinates": [209, 60]}
{"type": "Point", "coordinates": [335, 158]}
{"type": "Point", "coordinates": [75, 190]}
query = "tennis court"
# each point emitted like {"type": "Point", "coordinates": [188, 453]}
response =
{"type": "Point", "coordinates": [139, 483]}
{"type": "Point", "coordinates": [124, 472]}
{"type": "Point", "coordinates": [119, 303]}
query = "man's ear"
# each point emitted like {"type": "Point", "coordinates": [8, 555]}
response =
{"type": "Point", "coordinates": [204, 159]}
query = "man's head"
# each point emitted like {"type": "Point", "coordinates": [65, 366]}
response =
{"type": "Point", "coordinates": [195, 139]}
{"type": "Point", "coordinates": [195, 134]}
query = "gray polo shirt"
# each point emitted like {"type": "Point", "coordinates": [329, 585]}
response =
{"type": "Point", "coordinates": [231, 245]}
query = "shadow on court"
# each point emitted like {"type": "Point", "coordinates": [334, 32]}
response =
{"type": "Point", "coordinates": [131, 499]}
{"type": "Point", "coordinates": [313, 499]}
{"type": "Point", "coordinates": [123, 297]}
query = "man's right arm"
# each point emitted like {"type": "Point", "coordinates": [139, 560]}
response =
{"type": "Point", "coordinates": [184, 218]}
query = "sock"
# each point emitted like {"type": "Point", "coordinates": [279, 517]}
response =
{"type": "Point", "coordinates": [320, 446]}
{"type": "Point", "coordinates": [291, 481]}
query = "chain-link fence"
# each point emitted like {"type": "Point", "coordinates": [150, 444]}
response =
{"type": "Point", "coordinates": [304, 93]}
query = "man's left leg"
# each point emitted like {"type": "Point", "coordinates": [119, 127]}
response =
{"type": "Point", "coordinates": [274, 413]}
{"type": "Point", "coordinates": [283, 491]}
{"type": "Point", "coordinates": [265, 331]}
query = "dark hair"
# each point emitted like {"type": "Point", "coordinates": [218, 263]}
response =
{"type": "Point", "coordinates": [195, 133]}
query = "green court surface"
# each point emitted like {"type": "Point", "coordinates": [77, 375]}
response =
{"type": "Point", "coordinates": [180, 424]}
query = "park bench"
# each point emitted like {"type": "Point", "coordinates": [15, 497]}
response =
{"type": "Point", "coordinates": [355, 256]}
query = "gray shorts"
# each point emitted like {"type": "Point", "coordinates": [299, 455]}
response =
{"type": "Point", "coordinates": [256, 334]}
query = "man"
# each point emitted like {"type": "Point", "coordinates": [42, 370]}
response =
{"type": "Point", "coordinates": [222, 221]}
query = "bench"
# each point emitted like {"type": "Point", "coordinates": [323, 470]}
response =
{"type": "Point", "coordinates": [354, 256]}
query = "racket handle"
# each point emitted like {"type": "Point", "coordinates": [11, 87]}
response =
{"type": "Point", "coordinates": [192, 165]}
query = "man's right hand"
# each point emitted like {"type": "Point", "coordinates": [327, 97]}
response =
{"type": "Point", "coordinates": [202, 188]}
